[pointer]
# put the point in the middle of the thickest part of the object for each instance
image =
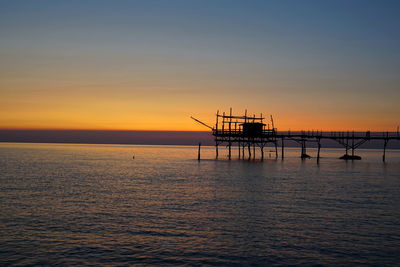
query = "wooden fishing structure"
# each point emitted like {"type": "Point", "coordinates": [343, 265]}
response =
{"type": "Point", "coordinates": [249, 133]}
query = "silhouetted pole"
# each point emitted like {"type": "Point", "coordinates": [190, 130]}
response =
{"type": "Point", "coordinates": [230, 133]}
{"type": "Point", "coordinates": [236, 132]}
{"type": "Point", "coordinates": [319, 149]}
{"type": "Point", "coordinates": [283, 148]}
{"type": "Point", "coordinates": [384, 151]}
{"type": "Point", "coordinates": [216, 132]}
{"type": "Point", "coordinates": [262, 152]}
{"type": "Point", "coordinates": [303, 148]}
{"type": "Point", "coordinates": [198, 154]}
{"type": "Point", "coordinates": [384, 147]}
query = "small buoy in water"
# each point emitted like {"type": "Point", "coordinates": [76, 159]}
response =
{"type": "Point", "coordinates": [133, 157]}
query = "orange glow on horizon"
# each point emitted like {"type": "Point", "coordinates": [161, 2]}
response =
{"type": "Point", "coordinates": [283, 123]}
{"type": "Point", "coordinates": [124, 73]}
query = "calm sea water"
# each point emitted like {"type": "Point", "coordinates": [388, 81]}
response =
{"type": "Point", "coordinates": [63, 204]}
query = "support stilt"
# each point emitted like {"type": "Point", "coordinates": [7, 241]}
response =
{"type": "Point", "coordinates": [198, 154]}
{"type": "Point", "coordinates": [230, 130]}
{"type": "Point", "coordinates": [262, 152]}
{"type": "Point", "coordinates": [283, 149]}
{"type": "Point", "coordinates": [303, 150]}
{"type": "Point", "coordinates": [384, 149]}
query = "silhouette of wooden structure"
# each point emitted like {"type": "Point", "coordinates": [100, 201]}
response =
{"type": "Point", "coordinates": [251, 132]}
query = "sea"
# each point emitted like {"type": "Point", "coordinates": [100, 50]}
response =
{"type": "Point", "coordinates": [121, 205]}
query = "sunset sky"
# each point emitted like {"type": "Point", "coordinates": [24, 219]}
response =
{"type": "Point", "coordinates": [150, 65]}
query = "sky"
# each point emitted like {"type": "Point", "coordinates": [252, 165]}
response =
{"type": "Point", "coordinates": [150, 65]}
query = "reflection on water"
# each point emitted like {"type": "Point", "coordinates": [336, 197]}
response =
{"type": "Point", "coordinates": [94, 204]}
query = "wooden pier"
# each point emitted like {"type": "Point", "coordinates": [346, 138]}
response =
{"type": "Point", "coordinates": [249, 133]}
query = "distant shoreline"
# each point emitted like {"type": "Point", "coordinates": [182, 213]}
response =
{"type": "Point", "coordinates": [179, 138]}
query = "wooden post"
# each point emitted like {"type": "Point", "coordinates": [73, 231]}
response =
{"type": "Point", "coordinates": [276, 149]}
{"type": "Point", "coordinates": [216, 131]}
{"type": "Point", "coordinates": [223, 122]}
{"type": "Point", "coordinates": [384, 151]}
{"type": "Point", "coordinates": [283, 148]}
{"type": "Point", "coordinates": [262, 152]}
{"type": "Point", "coordinates": [302, 150]}
{"type": "Point", "coordinates": [216, 123]}
{"type": "Point", "coordinates": [319, 149]}
{"type": "Point", "coordinates": [249, 150]}
{"type": "Point", "coordinates": [230, 133]}
{"type": "Point", "coordinates": [198, 154]}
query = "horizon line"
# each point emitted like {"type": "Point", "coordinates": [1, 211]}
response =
{"type": "Point", "coordinates": [143, 130]}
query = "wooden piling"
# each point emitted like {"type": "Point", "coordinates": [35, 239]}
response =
{"type": "Point", "coordinates": [229, 138]}
{"type": "Point", "coordinates": [262, 152]}
{"type": "Point", "coordinates": [384, 151]}
{"type": "Point", "coordinates": [385, 142]}
{"type": "Point", "coordinates": [198, 153]}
